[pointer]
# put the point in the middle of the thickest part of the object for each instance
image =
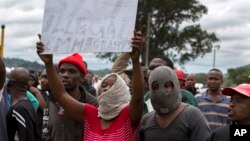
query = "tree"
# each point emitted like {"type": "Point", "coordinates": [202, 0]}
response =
{"type": "Point", "coordinates": [239, 75]}
{"type": "Point", "coordinates": [174, 30]}
{"type": "Point", "coordinates": [201, 77]}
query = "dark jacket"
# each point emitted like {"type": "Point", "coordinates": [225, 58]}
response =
{"type": "Point", "coordinates": [60, 127]}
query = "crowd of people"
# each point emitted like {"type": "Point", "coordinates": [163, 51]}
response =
{"type": "Point", "coordinates": [67, 103]}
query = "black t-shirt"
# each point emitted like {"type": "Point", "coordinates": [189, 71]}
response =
{"type": "Point", "coordinates": [21, 122]}
{"type": "Point", "coordinates": [189, 125]}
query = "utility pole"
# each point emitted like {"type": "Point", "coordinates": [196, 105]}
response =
{"type": "Point", "coordinates": [2, 41]}
{"type": "Point", "coordinates": [214, 58]}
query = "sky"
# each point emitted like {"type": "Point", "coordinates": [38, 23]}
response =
{"type": "Point", "coordinates": [228, 19]}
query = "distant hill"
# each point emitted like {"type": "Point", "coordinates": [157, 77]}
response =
{"type": "Point", "coordinates": [15, 62]}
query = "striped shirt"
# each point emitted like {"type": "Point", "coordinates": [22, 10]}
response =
{"type": "Point", "coordinates": [120, 130]}
{"type": "Point", "coordinates": [216, 113]}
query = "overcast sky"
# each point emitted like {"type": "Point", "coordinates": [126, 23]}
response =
{"type": "Point", "coordinates": [229, 19]}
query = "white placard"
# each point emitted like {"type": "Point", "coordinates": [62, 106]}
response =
{"type": "Point", "coordinates": [88, 25]}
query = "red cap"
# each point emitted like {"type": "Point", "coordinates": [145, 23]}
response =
{"type": "Point", "coordinates": [75, 59]}
{"type": "Point", "coordinates": [243, 89]}
{"type": "Point", "coordinates": [180, 74]}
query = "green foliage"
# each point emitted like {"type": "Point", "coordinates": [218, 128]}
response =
{"type": "Point", "coordinates": [201, 77]}
{"type": "Point", "coordinates": [239, 75]}
{"type": "Point", "coordinates": [234, 76]}
{"type": "Point", "coordinates": [228, 82]}
{"type": "Point", "coordinates": [174, 30]}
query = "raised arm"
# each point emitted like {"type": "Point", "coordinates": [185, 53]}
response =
{"type": "Point", "coordinates": [72, 107]}
{"type": "Point", "coordinates": [121, 63]}
{"type": "Point", "coordinates": [38, 96]}
{"type": "Point", "coordinates": [136, 102]}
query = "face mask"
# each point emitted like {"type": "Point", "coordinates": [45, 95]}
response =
{"type": "Point", "coordinates": [164, 102]}
{"type": "Point", "coordinates": [113, 101]}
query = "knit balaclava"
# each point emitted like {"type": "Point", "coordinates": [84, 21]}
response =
{"type": "Point", "coordinates": [113, 101]}
{"type": "Point", "coordinates": [162, 102]}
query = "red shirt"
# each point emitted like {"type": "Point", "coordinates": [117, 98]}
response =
{"type": "Point", "coordinates": [120, 130]}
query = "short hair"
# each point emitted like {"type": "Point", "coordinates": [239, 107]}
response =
{"type": "Point", "coordinates": [34, 76]}
{"type": "Point", "coordinates": [215, 69]}
{"type": "Point", "coordinates": [168, 61]}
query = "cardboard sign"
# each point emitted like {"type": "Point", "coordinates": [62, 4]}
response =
{"type": "Point", "coordinates": [88, 25]}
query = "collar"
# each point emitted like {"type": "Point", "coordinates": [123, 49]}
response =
{"type": "Point", "coordinates": [206, 96]}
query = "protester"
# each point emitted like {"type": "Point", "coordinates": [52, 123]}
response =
{"type": "Point", "coordinates": [120, 67]}
{"type": "Point", "coordinates": [157, 61]}
{"type": "Point", "coordinates": [96, 81]}
{"type": "Point", "coordinates": [212, 103]}
{"type": "Point", "coordinates": [33, 79]}
{"type": "Point", "coordinates": [129, 74]}
{"type": "Point", "coordinates": [239, 111]}
{"type": "Point", "coordinates": [187, 97]}
{"type": "Point", "coordinates": [33, 83]}
{"type": "Point", "coordinates": [29, 95]}
{"type": "Point", "coordinates": [181, 77]}
{"type": "Point", "coordinates": [21, 118]}
{"type": "Point", "coordinates": [60, 126]}
{"type": "Point", "coordinates": [88, 83]}
{"type": "Point", "coordinates": [115, 119]}
{"type": "Point", "coordinates": [89, 76]}
{"type": "Point", "coordinates": [45, 91]}
{"type": "Point", "coordinates": [3, 103]}
{"type": "Point", "coordinates": [190, 84]}
{"type": "Point", "coordinates": [172, 119]}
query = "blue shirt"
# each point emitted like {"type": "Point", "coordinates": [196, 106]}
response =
{"type": "Point", "coordinates": [216, 112]}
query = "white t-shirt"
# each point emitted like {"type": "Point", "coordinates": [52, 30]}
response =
{"type": "Point", "coordinates": [149, 105]}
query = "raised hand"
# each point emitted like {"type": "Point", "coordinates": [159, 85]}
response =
{"type": "Point", "coordinates": [46, 58]}
{"type": "Point", "coordinates": [137, 44]}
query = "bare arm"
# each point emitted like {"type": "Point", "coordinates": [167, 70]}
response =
{"type": "Point", "coordinates": [38, 96]}
{"type": "Point", "coordinates": [121, 63]}
{"type": "Point", "coordinates": [136, 102]}
{"type": "Point", "coordinates": [73, 108]}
